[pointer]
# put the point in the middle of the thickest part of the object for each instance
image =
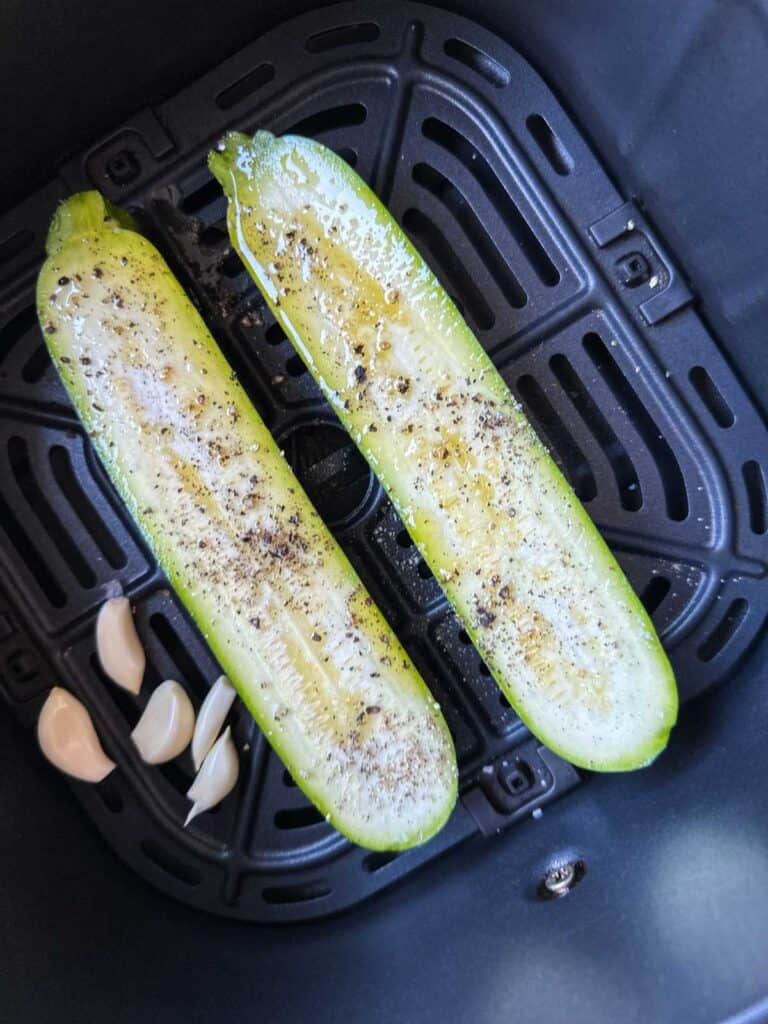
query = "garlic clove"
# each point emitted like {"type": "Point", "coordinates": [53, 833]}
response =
{"type": "Point", "coordinates": [118, 646]}
{"type": "Point", "coordinates": [68, 738]}
{"type": "Point", "coordinates": [210, 718]}
{"type": "Point", "coordinates": [166, 726]}
{"type": "Point", "coordinates": [217, 778]}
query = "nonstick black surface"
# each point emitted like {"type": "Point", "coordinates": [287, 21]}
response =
{"type": "Point", "coordinates": [668, 923]}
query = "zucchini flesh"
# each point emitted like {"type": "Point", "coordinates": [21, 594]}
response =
{"type": "Point", "coordinates": [271, 591]}
{"type": "Point", "coordinates": [533, 582]}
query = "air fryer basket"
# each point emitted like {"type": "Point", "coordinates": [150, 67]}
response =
{"type": "Point", "coordinates": [570, 290]}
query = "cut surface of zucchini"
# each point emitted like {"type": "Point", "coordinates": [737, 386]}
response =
{"type": "Point", "coordinates": [518, 557]}
{"type": "Point", "coordinates": [273, 594]}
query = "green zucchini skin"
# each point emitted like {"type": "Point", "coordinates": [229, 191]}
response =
{"type": "Point", "coordinates": [535, 585]}
{"type": "Point", "coordinates": [273, 594]}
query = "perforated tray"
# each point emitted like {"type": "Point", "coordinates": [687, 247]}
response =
{"type": "Point", "coordinates": [569, 289]}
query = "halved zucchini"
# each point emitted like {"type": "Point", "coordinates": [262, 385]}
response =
{"type": "Point", "coordinates": [271, 591]}
{"type": "Point", "coordinates": [518, 557]}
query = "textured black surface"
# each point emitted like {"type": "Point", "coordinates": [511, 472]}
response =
{"type": "Point", "coordinates": [560, 279]}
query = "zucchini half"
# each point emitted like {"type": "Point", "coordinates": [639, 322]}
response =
{"type": "Point", "coordinates": [532, 580]}
{"type": "Point", "coordinates": [273, 594]}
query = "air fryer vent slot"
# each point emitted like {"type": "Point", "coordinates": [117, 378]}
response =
{"type": "Point", "coordinates": [622, 466]}
{"type": "Point", "coordinates": [754, 481]}
{"type": "Point", "coordinates": [40, 505]}
{"type": "Point", "coordinates": [654, 593]}
{"type": "Point", "coordinates": [428, 237]}
{"type": "Point", "coordinates": [178, 652]}
{"type": "Point", "coordinates": [725, 630]}
{"type": "Point", "coordinates": [66, 477]}
{"type": "Point", "coordinates": [295, 893]}
{"type": "Point", "coordinates": [447, 193]}
{"type": "Point", "coordinates": [20, 541]}
{"type": "Point", "coordinates": [637, 412]}
{"type": "Point", "coordinates": [167, 862]}
{"type": "Point", "coordinates": [345, 116]}
{"type": "Point", "coordinates": [15, 244]}
{"type": "Point", "coordinates": [478, 61]}
{"type": "Point", "coordinates": [456, 144]}
{"type": "Point", "coordinates": [562, 445]}
{"type": "Point", "coordinates": [299, 817]}
{"type": "Point", "coordinates": [344, 35]}
{"type": "Point", "coordinates": [473, 154]}
{"type": "Point", "coordinates": [710, 395]}
{"type": "Point", "coordinates": [550, 145]}
{"type": "Point", "coordinates": [15, 330]}
{"type": "Point", "coordinates": [245, 86]}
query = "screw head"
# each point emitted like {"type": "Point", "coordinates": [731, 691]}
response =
{"type": "Point", "coordinates": [560, 879]}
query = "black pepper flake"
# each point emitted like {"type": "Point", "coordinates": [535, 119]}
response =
{"type": "Point", "coordinates": [484, 617]}
{"type": "Point", "coordinates": [373, 709]}
{"type": "Point", "coordinates": [50, 329]}
{"type": "Point", "coordinates": [98, 272]}
{"type": "Point", "coordinates": [63, 281]}
{"type": "Point", "coordinates": [66, 359]}
{"type": "Point", "coordinates": [118, 301]}
{"type": "Point", "coordinates": [403, 384]}
{"type": "Point", "coordinates": [200, 399]}
{"type": "Point", "coordinates": [360, 373]}
{"type": "Point", "coordinates": [372, 428]}
{"type": "Point", "coordinates": [505, 593]}
{"type": "Point", "coordinates": [202, 544]}
{"type": "Point", "coordinates": [85, 360]}
{"type": "Point", "coordinates": [316, 637]}
{"type": "Point", "coordinates": [256, 623]}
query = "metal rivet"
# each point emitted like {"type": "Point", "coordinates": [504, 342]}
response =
{"type": "Point", "coordinates": [559, 880]}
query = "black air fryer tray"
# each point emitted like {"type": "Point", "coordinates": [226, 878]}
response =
{"type": "Point", "coordinates": [568, 287]}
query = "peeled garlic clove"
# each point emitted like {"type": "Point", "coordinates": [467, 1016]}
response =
{"type": "Point", "coordinates": [216, 778]}
{"type": "Point", "coordinates": [210, 718]}
{"type": "Point", "coordinates": [68, 739]}
{"type": "Point", "coordinates": [166, 726]}
{"type": "Point", "coordinates": [118, 645]}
